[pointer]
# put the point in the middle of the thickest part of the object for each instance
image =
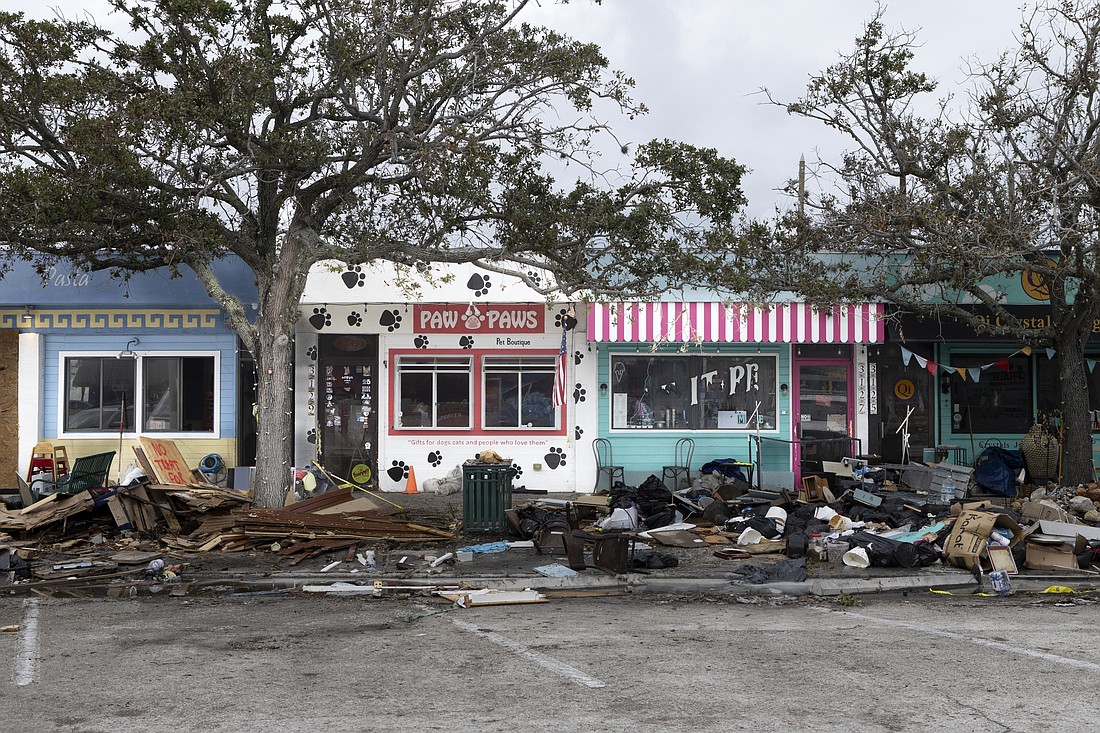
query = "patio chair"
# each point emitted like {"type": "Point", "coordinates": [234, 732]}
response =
{"type": "Point", "coordinates": [681, 463]}
{"type": "Point", "coordinates": [88, 472]}
{"type": "Point", "coordinates": [601, 448]}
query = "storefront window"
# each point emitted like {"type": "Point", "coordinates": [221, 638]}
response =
{"type": "Point", "coordinates": [1048, 382]}
{"type": "Point", "coordinates": [694, 392]}
{"type": "Point", "coordinates": [177, 394]}
{"type": "Point", "coordinates": [433, 392]}
{"type": "Point", "coordinates": [999, 402]}
{"type": "Point", "coordinates": [518, 392]}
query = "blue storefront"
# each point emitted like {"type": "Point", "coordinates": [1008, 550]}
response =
{"type": "Point", "coordinates": [102, 361]}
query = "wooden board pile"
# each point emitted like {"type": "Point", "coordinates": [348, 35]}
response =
{"type": "Point", "coordinates": [333, 520]}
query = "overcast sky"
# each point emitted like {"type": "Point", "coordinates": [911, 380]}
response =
{"type": "Point", "coordinates": [699, 64]}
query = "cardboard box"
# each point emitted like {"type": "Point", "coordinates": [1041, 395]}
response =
{"type": "Point", "coordinates": [965, 545]}
{"type": "Point", "coordinates": [1046, 552]}
{"type": "Point", "coordinates": [1034, 511]}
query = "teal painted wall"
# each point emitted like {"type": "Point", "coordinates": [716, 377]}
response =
{"type": "Point", "coordinates": [645, 452]}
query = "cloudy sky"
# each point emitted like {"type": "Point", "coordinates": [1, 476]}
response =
{"type": "Point", "coordinates": [699, 64]}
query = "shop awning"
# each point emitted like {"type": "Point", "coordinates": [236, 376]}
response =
{"type": "Point", "coordinates": [860, 323]}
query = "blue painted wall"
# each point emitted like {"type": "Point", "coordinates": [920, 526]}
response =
{"type": "Point", "coordinates": [223, 341]}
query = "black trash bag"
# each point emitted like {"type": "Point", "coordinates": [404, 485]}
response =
{"type": "Point", "coordinates": [996, 470]}
{"type": "Point", "coordinates": [764, 526]}
{"type": "Point", "coordinates": [622, 496]}
{"type": "Point", "coordinates": [797, 544]}
{"type": "Point", "coordinates": [661, 518]}
{"type": "Point", "coordinates": [656, 561]}
{"type": "Point", "coordinates": [888, 553]}
{"type": "Point", "coordinates": [785, 571]}
{"type": "Point", "coordinates": [725, 467]}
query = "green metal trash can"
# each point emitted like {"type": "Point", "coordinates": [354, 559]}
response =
{"type": "Point", "coordinates": [486, 494]}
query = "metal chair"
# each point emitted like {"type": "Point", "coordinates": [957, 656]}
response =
{"type": "Point", "coordinates": [601, 448]}
{"type": "Point", "coordinates": [681, 458]}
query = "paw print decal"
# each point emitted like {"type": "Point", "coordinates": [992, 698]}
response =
{"type": "Point", "coordinates": [516, 470]}
{"type": "Point", "coordinates": [562, 318]}
{"type": "Point", "coordinates": [311, 353]}
{"type": "Point", "coordinates": [479, 284]}
{"type": "Point", "coordinates": [578, 432]}
{"type": "Point", "coordinates": [355, 319]}
{"type": "Point", "coordinates": [311, 436]}
{"type": "Point", "coordinates": [420, 342]}
{"type": "Point", "coordinates": [435, 458]}
{"type": "Point", "coordinates": [578, 357]}
{"type": "Point", "coordinates": [473, 317]}
{"type": "Point", "coordinates": [354, 277]}
{"type": "Point", "coordinates": [535, 277]}
{"type": "Point", "coordinates": [466, 342]}
{"type": "Point", "coordinates": [320, 318]}
{"type": "Point", "coordinates": [390, 320]}
{"type": "Point", "coordinates": [555, 458]}
{"type": "Point", "coordinates": [399, 471]}
{"type": "Point", "coordinates": [578, 393]}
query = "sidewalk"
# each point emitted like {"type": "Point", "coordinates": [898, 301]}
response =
{"type": "Point", "coordinates": [699, 571]}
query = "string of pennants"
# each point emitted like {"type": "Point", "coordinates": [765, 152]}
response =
{"type": "Point", "coordinates": [974, 373]}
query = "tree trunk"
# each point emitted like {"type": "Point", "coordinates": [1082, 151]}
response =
{"type": "Point", "coordinates": [280, 291]}
{"type": "Point", "coordinates": [274, 411]}
{"type": "Point", "coordinates": [1076, 417]}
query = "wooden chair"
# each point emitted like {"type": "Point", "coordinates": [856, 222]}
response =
{"type": "Point", "coordinates": [89, 472]}
{"type": "Point", "coordinates": [605, 464]}
{"type": "Point", "coordinates": [681, 463]}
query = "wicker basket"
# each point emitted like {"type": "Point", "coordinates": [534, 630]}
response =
{"type": "Point", "coordinates": [1040, 450]}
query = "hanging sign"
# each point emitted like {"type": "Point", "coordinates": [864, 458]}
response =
{"type": "Point", "coordinates": [904, 389]}
{"type": "Point", "coordinates": [479, 318]}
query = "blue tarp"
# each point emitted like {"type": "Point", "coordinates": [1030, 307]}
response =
{"type": "Point", "coordinates": [996, 470]}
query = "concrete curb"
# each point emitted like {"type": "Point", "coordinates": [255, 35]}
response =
{"type": "Point", "coordinates": [636, 583]}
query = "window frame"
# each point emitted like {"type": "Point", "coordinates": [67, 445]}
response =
{"type": "Point", "coordinates": [771, 355]}
{"type": "Point", "coordinates": [139, 388]}
{"type": "Point", "coordinates": [516, 361]}
{"type": "Point", "coordinates": [398, 372]}
{"type": "Point", "coordinates": [391, 358]}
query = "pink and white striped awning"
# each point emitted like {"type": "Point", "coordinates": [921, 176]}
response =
{"type": "Point", "coordinates": [859, 323]}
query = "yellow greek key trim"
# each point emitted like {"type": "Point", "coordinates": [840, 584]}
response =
{"type": "Point", "coordinates": [108, 318]}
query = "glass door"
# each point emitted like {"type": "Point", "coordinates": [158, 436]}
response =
{"type": "Point", "coordinates": [823, 418]}
{"type": "Point", "coordinates": [902, 429]}
{"type": "Point", "coordinates": [347, 426]}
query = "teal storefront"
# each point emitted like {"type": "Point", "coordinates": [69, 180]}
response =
{"type": "Point", "coordinates": [781, 387]}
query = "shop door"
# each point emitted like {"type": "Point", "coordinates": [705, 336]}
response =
{"type": "Point", "coordinates": [823, 414]}
{"type": "Point", "coordinates": [902, 392]}
{"type": "Point", "coordinates": [347, 424]}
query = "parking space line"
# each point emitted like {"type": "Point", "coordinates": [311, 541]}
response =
{"type": "Point", "coordinates": [554, 665]}
{"type": "Point", "coordinates": [25, 665]}
{"type": "Point", "coordinates": [976, 640]}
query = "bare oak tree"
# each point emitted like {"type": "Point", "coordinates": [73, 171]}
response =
{"type": "Point", "coordinates": [942, 209]}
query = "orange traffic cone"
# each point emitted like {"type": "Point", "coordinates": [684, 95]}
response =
{"type": "Point", "coordinates": [410, 484]}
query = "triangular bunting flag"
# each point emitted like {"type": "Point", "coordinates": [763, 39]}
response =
{"type": "Point", "coordinates": [906, 355]}
{"type": "Point", "coordinates": [932, 367]}
{"type": "Point", "coordinates": [921, 360]}
{"type": "Point", "coordinates": [1026, 350]}
{"type": "Point", "coordinates": [1091, 364]}
{"type": "Point", "coordinates": [1002, 364]}
{"type": "Point", "coordinates": [1051, 353]}
{"type": "Point", "coordinates": [961, 371]}
{"type": "Point", "coordinates": [975, 373]}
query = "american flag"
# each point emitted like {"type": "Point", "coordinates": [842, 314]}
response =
{"type": "Point", "coordinates": [558, 398]}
